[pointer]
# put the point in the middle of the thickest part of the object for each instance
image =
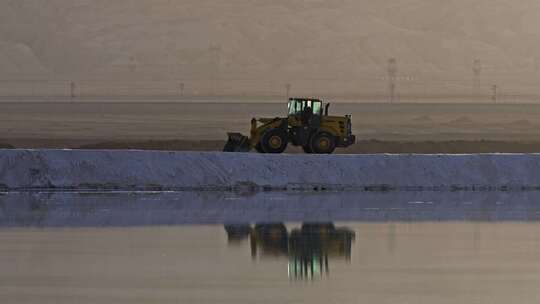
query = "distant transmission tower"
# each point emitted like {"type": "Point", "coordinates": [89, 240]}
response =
{"type": "Point", "coordinates": [181, 87]}
{"type": "Point", "coordinates": [72, 90]}
{"type": "Point", "coordinates": [392, 79]}
{"type": "Point", "coordinates": [494, 93]}
{"type": "Point", "coordinates": [132, 65]}
{"type": "Point", "coordinates": [477, 70]}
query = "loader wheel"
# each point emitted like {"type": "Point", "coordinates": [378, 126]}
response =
{"type": "Point", "coordinates": [274, 141]}
{"type": "Point", "coordinates": [307, 149]}
{"type": "Point", "coordinates": [258, 148]}
{"type": "Point", "coordinates": [323, 143]}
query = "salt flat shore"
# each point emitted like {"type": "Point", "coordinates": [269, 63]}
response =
{"type": "Point", "coordinates": [95, 170]}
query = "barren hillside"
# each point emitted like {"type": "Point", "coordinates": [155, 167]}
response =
{"type": "Point", "coordinates": [268, 40]}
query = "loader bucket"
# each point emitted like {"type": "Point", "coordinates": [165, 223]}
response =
{"type": "Point", "coordinates": [237, 143]}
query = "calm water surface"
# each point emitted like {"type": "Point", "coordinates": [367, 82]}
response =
{"type": "Point", "coordinates": [270, 248]}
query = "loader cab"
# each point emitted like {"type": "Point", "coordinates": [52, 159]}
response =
{"type": "Point", "coordinates": [298, 106]}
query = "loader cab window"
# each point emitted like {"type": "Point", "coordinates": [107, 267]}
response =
{"type": "Point", "coordinates": [317, 107]}
{"type": "Point", "coordinates": [297, 106]}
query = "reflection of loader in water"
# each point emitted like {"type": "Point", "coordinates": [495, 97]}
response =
{"type": "Point", "coordinates": [307, 248]}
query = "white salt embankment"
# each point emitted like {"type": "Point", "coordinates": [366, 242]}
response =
{"type": "Point", "coordinates": [72, 170]}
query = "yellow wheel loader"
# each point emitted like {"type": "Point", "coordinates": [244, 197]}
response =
{"type": "Point", "coordinates": [308, 125]}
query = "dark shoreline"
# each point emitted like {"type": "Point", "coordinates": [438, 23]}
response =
{"type": "Point", "coordinates": [362, 147]}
